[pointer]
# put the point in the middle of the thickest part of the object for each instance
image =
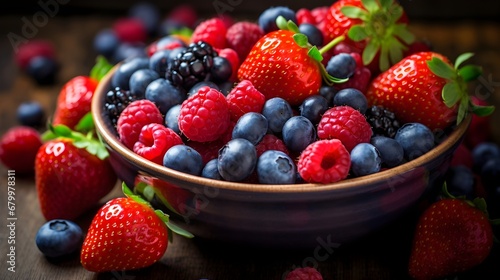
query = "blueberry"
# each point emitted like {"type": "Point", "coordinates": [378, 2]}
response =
{"type": "Point", "coordinates": [251, 126]}
{"type": "Point", "coordinates": [298, 132]}
{"type": "Point", "coordinates": [164, 94]}
{"type": "Point", "coordinates": [490, 173]}
{"type": "Point", "coordinates": [460, 181]}
{"type": "Point", "coordinates": [277, 110]}
{"type": "Point", "coordinates": [31, 114]}
{"type": "Point", "coordinates": [237, 160]}
{"type": "Point", "coordinates": [58, 238]}
{"type": "Point", "coordinates": [121, 77]}
{"type": "Point", "coordinates": [314, 35]}
{"type": "Point", "coordinates": [328, 92]}
{"type": "Point", "coordinates": [351, 97]}
{"type": "Point", "coordinates": [172, 118]}
{"type": "Point", "coordinates": [159, 62]}
{"type": "Point", "coordinates": [313, 108]}
{"type": "Point", "coordinates": [415, 138]}
{"type": "Point", "coordinates": [126, 50]}
{"type": "Point", "coordinates": [341, 66]}
{"type": "Point", "coordinates": [106, 42]}
{"type": "Point", "coordinates": [183, 158]}
{"type": "Point", "coordinates": [276, 167]}
{"type": "Point", "coordinates": [211, 171]}
{"type": "Point", "coordinates": [140, 80]}
{"type": "Point", "coordinates": [390, 150]}
{"type": "Point", "coordinates": [194, 89]}
{"type": "Point", "coordinates": [365, 160]}
{"type": "Point", "coordinates": [482, 152]}
{"type": "Point", "coordinates": [167, 42]}
{"type": "Point", "coordinates": [226, 87]}
{"type": "Point", "coordinates": [267, 19]}
{"type": "Point", "coordinates": [148, 13]}
{"type": "Point", "coordinates": [221, 69]}
{"type": "Point", "coordinates": [43, 70]}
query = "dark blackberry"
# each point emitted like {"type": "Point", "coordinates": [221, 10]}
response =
{"type": "Point", "coordinates": [115, 102]}
{"type": "Point", "coordinates": [382, 121]}
{"type": "Point", "coordinates": [192, 65]}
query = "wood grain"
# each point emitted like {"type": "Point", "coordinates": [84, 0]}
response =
{"type": "Point", "coordinates": [382, 255]}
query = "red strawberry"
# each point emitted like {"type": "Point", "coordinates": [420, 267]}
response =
{"type": "Point", "coordinates": [18, 148]}
{"type": "Point", "coordinates": [452, 235]}
{"type": "Point", "coordinates": [283, 64]}
{"type": "Point", "coordinates": [372, 27]}
{"type": "Point", "coordinates": [126, 234]}
{"type": "Point", "coordinates": [426, 88]}
{"type": "Point", "coordinates": [72, 173]}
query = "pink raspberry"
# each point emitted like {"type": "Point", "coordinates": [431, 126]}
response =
{"type": "Point", "coordinates": [233, 59]}
{"type": "Point", "coordinates": [271, 142]}
{"type": "Point", "coordinates": [360, 80]}
{"type": "Point", "coordinates": [304, 15]}
{"type": "Point", "coordinates": [211, 31]}
{"type": "Point", "coordinates": [204, 116]}
{"type": "Point", "coordinates": [130, 30]}
{"type": "Point", "coordinates": [304, 273]}
{"type": "Point", "coordinates": [207, 150]}
{"type": "Point", "coordinates": [324, 161]}
{"type": "Point", "coordinates": [154, 141]}
{"type": "Point", "coordinates": [346, 124]}
{"type": "Point", "coordinates": [319, 13]}
{"type": "Point", "coordinates": [136, 115]}
{"type": "Point", "coordinates": [241, 37]}
{"type": "Point", "coordinates": [184, 14]}
{"type": "Point", "coordinates": [244, 98]}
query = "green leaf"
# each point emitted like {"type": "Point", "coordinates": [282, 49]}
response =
{"type": "Point", "coordinates": [386, 4]}
{"type": "Point", "coordinates": [357, 33]}
{"type": "Point", "coordinates": [61, 130]}
{"type": "Point", "coordinates": [461, 58]}
{"type": "Point", "coordinates": [86, 123]}
{"type": "Point", "coordinates": [48, 135]}
{"type": "Point", "coordinates": [482, 111]}
{"type": "Point", "coordinates": [370, 5]}
{"type": "Point", "coordinates": [462, 110]}
{"type": "Point", "coordinates": [396, 12]}
{"type": "Point", "coordinates": [301, 40]}
{"type": "Point", "coordinates": [395, 50]}
{"type": "Point", "coordinates": [470, 72]}
{"type": "Point", "coordinates": [354, 12]}
{"type": "Point", "coordinates": [281, 23]}
{"type": "Point", "coordinates": [178, 230]}
{"type": "Point", "coordinates": [401, 31]}
{"type": "Point", "coordinates": [384, 58]}
{"type": "Point", "coordinates": [101, 68]}
{"type": "Point", "coordinates": [102, 153]}
{"type": "Point", "coordinates": [369, 52]}
{"type": "Point", "coordinates": [451, 93]}
{"type": "Point", "coordinates": [183, 31]}
{"type": "Point", "coordinates": [441, 68]}
{"type": "Point", "coordinates": [292, 26]}
{"type": "Point", "coordinates": [315, 54]}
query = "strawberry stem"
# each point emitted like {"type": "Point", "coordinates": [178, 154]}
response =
{"type": "Point", "coordinates": [331, 44]}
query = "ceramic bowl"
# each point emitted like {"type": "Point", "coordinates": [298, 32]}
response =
{"type": "Point", "coordinates": [277, 215]}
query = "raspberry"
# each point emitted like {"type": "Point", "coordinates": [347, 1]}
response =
{"type": "Point", "coordinates": [154, 141]}
{"type": "Point", "coordinates": [304, 16]}
{"type": "Point", "coordinates": [204, 116]}
{"type": "Point", "coordinates": [319, 13]}
{"type": "Point", "coordinates": [31, 49]}
{"type": "Point", "coordinates": [233, 59]}
{"type": "Point", "coordinates": [241, 37]}
{"type": "Point", "coordinates": [346, 124]}
{"type": "Point", "coordinates": [130, 30]}
{"type": "Point", "coordinates": [244, 98]}
{"type": "Point", "coordinates": [304, 273]}
{"type": "Point", "coordinates": [271, 142]}
{"type": "Point", "coordinates": [18, 148]}
{"type": "Point", "coordinates": [324, 161]}
{"type": "Point", "coordinates": [184, 14]}
{"type": "Point", "coordinates": [207, 150]}
{"type": "Point", "coordinates": [136, 115]}
{"type": "Point", "coordinates": [211, 31]}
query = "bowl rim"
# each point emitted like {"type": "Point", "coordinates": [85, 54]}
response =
{"type": "Point", "coordinates": [351, 184]}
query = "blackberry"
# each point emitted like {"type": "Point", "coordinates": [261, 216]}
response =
{"type": "Point", "coordinates": [115, 102]}
{"type": "Point", "coordinates": [382, 121]}
{"type": "Point", "coordinates": [192, 65]}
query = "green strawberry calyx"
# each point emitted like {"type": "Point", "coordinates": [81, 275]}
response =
{"type": "Point", "coordinates": [455, 91]}
{"type": "Point", "coordinates": [313, 52]}
{"type": "Point", "coordinates": [380, 28]}
{"type": "Point", "coordinates": [86, 141]}
{"type": "Point", "coordinates": [100, 68]}
{"type": "Point", "coordinates": [172, 227]}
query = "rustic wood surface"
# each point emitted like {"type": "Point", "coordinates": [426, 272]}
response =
{"type": "Point", "coordinates": [382, 255]}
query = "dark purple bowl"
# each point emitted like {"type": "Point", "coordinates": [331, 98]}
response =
{"type": "Point", "coordinates": [277, 215]}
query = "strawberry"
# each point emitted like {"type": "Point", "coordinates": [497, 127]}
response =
{"type": "Point", "coordinates": [283, 64]}
{"type": "Point", "coordinates": [75, 97]}
{"type": "Point", "coordinates": [452, 235]}
{"type": "Point", "coordinates": [375, 28]}
{"type": "Point", "coordinates": [72, 173]}
{"type": "Point", "coordinates": [425, 87]}
{"type": "Point", "coordinates": [126, 234]}
{"type": "Point", "coordinates": [18, 149]}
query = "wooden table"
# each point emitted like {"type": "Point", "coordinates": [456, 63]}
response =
{"type": "Point", "coordinates": [382, 255]}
